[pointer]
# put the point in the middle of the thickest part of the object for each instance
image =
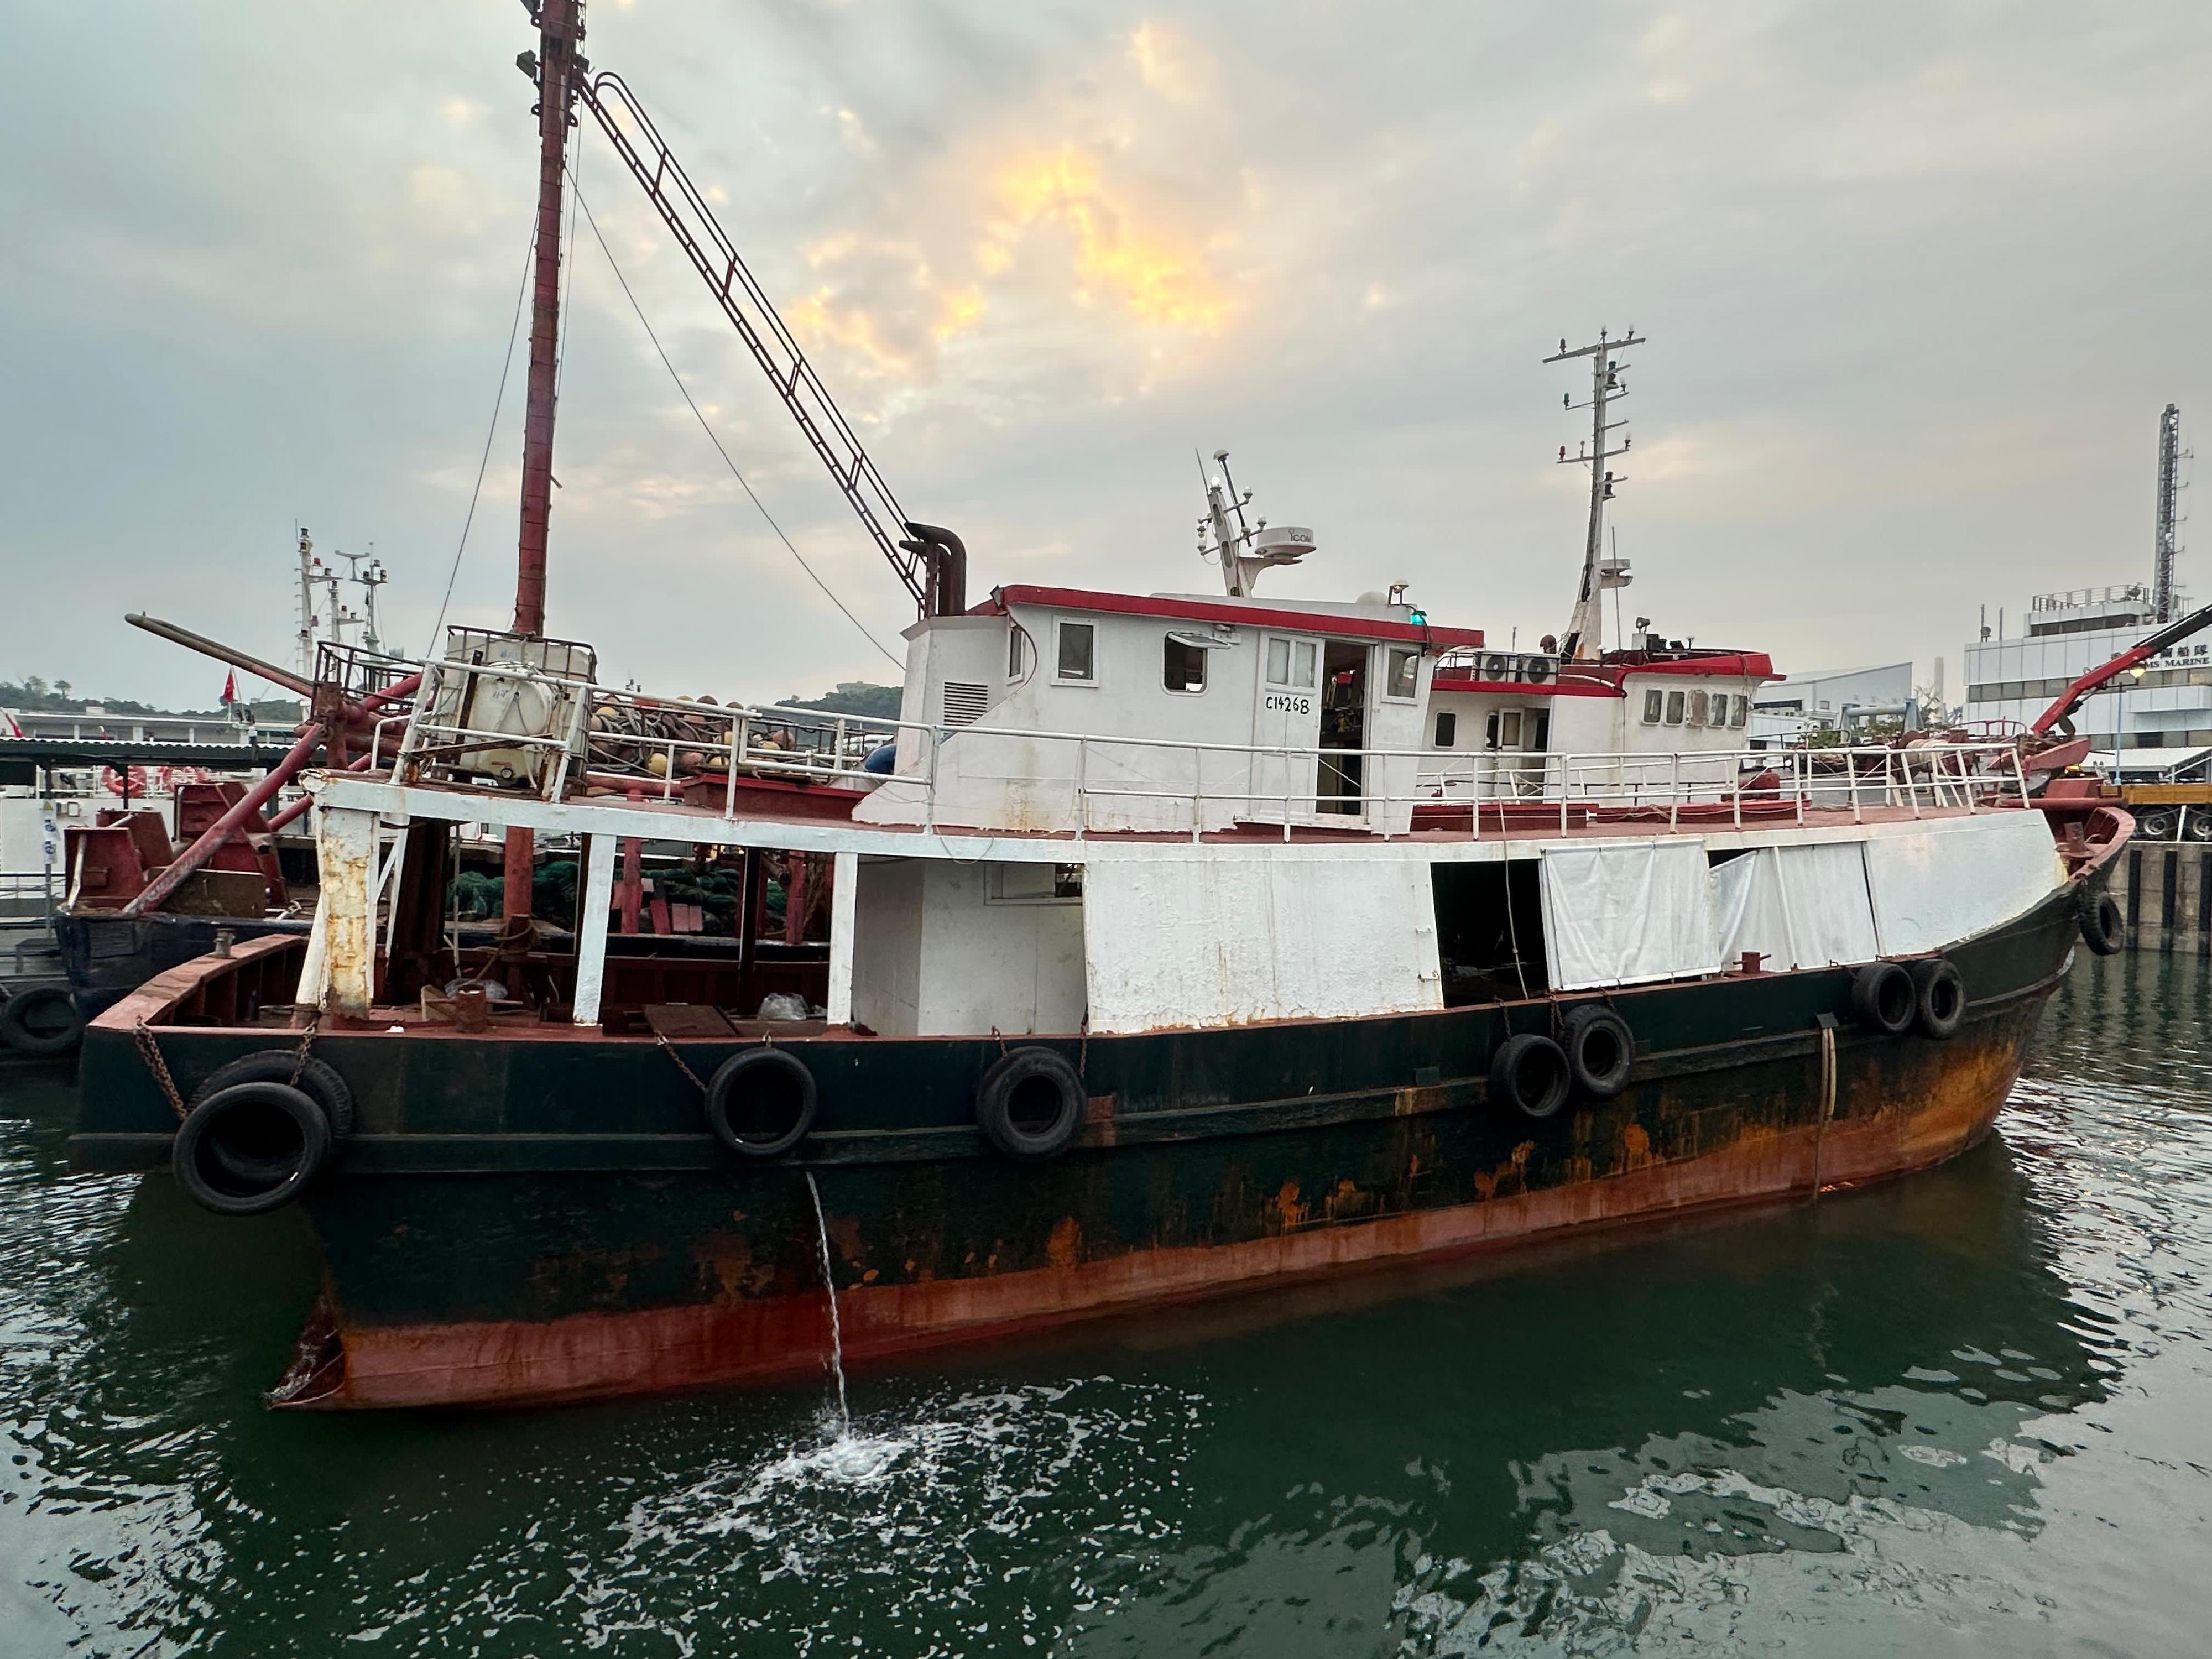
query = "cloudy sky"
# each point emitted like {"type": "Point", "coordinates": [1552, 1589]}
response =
{"type": "Point", "coordinates": [1918, 276]}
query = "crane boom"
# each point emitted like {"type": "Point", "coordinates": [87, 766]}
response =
{"type": "Point", "coordinates": [912, 555]}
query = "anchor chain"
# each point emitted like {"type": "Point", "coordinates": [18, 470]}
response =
{"type": "Point", "coordinates": [150, 1052]}
{"type": "Point", "coordinates": [674, 1055]}
{"type": "Point", "coordinates": [306, 1042]}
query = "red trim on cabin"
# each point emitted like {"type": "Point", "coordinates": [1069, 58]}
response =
{"type": "Point", "coordinates": [1447, 680]}
{"type": "Point", "coordinates": [1301, 622]}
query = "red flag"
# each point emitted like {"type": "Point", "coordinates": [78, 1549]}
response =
{"type": "Point", "coordinates": [229, 689]}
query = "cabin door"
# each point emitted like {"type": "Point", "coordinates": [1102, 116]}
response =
{"type": "Point", "coordinates": [1342, 790]}
{"type": "Point", "coordinates": [1287, 718]}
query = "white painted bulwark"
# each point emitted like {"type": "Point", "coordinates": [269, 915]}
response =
{"type": "Point", "coordinates": [1939, 883]}
{"type": "Point", "coordinates": [1231, 938]}
{"type": "Point", "coordinates": [938, 950]}
{"type": "Point", "coordinates": [1628, 913]}
{"type": "Point", "coordinates": [592, 944]}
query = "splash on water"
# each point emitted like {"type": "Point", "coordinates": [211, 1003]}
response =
{"type": "Point", "coordinates": [836, 1331]}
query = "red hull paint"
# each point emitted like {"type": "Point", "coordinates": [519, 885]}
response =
{"type": "Point", "coordinates": [509, 1363]}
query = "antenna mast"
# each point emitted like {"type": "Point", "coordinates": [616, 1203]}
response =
{"type": "Point", "coordinates": [554, 66]}
{"type": "Point", "coordinates": [308, 567]}
{"type": "Point", "coordinates": [1585, 636]}
{"type": "Point", "coordinates": [2168, 543]}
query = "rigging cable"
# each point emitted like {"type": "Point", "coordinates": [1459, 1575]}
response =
{"type": "Point", "coordinates": [506, 368]}
{"type": "Point", "coordinates": [711, 437]}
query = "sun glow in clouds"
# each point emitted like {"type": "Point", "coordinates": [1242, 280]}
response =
{"type": "Point", "coordinates": [1157, 281]}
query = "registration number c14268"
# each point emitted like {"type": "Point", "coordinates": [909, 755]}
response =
{"type": "Point", "coordinates": [1289, 702]}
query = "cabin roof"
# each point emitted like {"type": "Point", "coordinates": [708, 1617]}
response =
{"type": "Point", "coordinates": [1349, 623]}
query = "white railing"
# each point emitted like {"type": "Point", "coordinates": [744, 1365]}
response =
{"type": "Point", "coordinates": [658, 748]}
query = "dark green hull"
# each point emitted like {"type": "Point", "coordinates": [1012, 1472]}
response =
{"type": "Point", "coordinates": [545, 1215]}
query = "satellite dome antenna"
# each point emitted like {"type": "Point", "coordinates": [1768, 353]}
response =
{"type": "Point", "coordinates": [1243, 548]}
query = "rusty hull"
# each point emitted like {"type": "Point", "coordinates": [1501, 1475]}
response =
{"type": "Point", "coordinates": [1275, 1210]}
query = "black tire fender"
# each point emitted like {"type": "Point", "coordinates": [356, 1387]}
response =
{"type": "Point", "coordinates": [1601, 1050]}
{"type": "Point", "coordinates": [762, 1103]}
{"type": "Point", "coordinates": [1883, 997]}
{"type": "Point", "coordinates": [1030, 1105]}
{"type": "Point", "coordinates": [316, 1080]}
{"type": "Point", "coordinates": [251, 1148]}
{"type": "Point", "coordinates": [2104, 927]}
{"type": "Point", "coordinates": [1939, 1005]}
{"type": "Point", "coordinates": [1530, 1073]}
{"type": "Point", "coordinates": [43, 1020]}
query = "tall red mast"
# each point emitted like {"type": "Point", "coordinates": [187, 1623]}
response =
{"type": "Point", "coordinates": [560, 33]}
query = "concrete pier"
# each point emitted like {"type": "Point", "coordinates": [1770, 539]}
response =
{"type": "Point", "coordinates": [2165, 890]}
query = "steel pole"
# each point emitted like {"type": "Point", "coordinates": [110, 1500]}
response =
{"type": "Point", "coordinates": [561, 27]}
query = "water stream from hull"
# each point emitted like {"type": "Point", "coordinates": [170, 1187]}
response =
{"type": "Point", "coordinates": [836, 1332]}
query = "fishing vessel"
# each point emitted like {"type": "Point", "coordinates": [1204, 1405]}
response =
{"type": "Point", "coordinates": [1176, 944]}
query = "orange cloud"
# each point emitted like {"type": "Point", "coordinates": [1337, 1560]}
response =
{"type": "Point", "coordinates": [1157, 281]}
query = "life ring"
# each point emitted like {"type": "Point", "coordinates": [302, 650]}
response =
{"type": "Point", "coordinates": [1882, 995]}
{"type": "Point", "coordinates": [43, 1020]}
{"type": "Point", "coordinates": [2103, 926]}
{"type": "Point", "coordinates": [1530, 1073]}
{"type": "Point", "coordinates": [761, 1103]}
{"type": "Point", "coordinates": [1030, 1105]}
{"type": "Point", "coordinates": [1939, 1005]}
{"type": "Point", "coordinates": [1601, 1050]}
{"type": "Point", "coordinates": [251, 1148]}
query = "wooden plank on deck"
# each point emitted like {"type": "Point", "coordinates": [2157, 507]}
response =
{"type": "Point", "coordinates": [675, 1020]}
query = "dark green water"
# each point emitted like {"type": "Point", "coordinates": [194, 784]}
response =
{"type": "Point", "coordinates": [1970, 1412]}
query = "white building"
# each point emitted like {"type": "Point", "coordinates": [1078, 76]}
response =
{"type": "Point", "coordinates": [2159, 715]}
{"type": "Point", "coordinates": [1824, 697]}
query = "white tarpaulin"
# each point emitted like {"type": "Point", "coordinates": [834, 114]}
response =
{"type": "Point", "coordinates": [1622, 913]}
{"type": "Point", "coordinates": [1935, 886]}
{"type": "Point", "coordinates": [1221, 941]}
{"type": "Point", "coordinates": [1798, 906]}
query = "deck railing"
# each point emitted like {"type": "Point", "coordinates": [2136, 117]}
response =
{"type": "Point", "coordinates": [606, 740]}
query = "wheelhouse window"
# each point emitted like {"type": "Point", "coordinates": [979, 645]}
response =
{"type": "Point", "coordinates": [1653, 699]}
{"type": "Point", "coordinates": [1699, 702]}
{"type": "Point", "coordinates": [1292, 662]}
{"type": "Point", "coordinates": [1014, 651]}
{"type": "Point", "coordinates": [1402, 674]}
{"type": "Point", "coordinates": [1447, 729]}
{"type": "Point", "coordinates": [1743, 712]}
{"type": "Point", "coordinates": [1182, 667]}
{"type": "Point", "coordinates": [1674, 709]}
{"type": "Point", "coordinates": [1077, 643]}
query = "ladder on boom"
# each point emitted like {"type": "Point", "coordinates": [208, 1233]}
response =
{"type": "Point", "coordinates": [685, 212]}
